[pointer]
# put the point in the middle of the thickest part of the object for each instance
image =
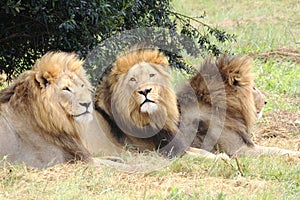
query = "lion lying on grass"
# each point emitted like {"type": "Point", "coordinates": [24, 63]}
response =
{"type": "Point", "coordinates": [229, 104]}
{"type": "Point", "coordinates": [137, 108]}
{"type": "Point", "coordinates": [136, 105]}
{"type": "Point", "coordinates": [42, 110]}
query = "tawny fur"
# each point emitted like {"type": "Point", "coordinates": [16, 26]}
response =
{"type": "Point", "coordinates": [228, 107]}
{"type": "Point", "coordinates": [118, 101]}
{"type": "Point", "coordinates": [38, 126]}
{"type": "Point", "coordinates": [260, 101]}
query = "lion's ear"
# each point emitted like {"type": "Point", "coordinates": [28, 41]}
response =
{"type": "Point", "coordinates": [43, 82]}
{"type": "Point", "coordinates": [234, 81]}
{"type": "Point", "coordinates": [45, 78]}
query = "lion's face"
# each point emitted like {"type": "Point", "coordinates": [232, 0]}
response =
{"type": "Point", "coordinates": [143, 96]}
{"type": "Point", "coordinates": [260, 101]}
{"type": "Point", "coordinates": [145, 83]}
{"type": "Point", "coordinates": [64, 87]}
{"type": "Point", "coordinates": [73, 95]}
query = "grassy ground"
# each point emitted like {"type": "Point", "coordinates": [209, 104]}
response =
{"type": "Point", "coordinates": [268, 31]}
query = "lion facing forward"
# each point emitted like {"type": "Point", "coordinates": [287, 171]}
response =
{"type": "Point", "coordinates": [137, 105]}
{"type": "Point", "coordinates": [41, 111]}
{"type": "Point", "coordinates": [229, 104]}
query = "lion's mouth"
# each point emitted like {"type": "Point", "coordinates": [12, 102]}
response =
{"type": "Point", "coordinates": [147, 101]}
{"type": "Point", "coordinates": [86, 112]}
{"type": "Point", "coordinates": [148, 106]}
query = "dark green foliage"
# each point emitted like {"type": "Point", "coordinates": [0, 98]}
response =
{"type": "Point", "coordinates": [29, 28]}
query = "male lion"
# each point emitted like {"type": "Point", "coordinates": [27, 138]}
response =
{"type": "Point", "coordinates": [229, 104]}
{"type": "Point", "coordinates": [136, 105]}
{"type": "Point", "coordinates": [41, 111]}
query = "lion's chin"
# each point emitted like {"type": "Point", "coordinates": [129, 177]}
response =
{"type": "Point", "coordinates": [86, 118]}
{"type": "Point", "coordinates": [149, 107]}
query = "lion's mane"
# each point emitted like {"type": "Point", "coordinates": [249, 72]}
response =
{"type": "Point", "coordinates": [122, 111]}
{"type": "Point", "coordinates": [224, 87]}
{"type": "Point", "coordinates": [34, 119]}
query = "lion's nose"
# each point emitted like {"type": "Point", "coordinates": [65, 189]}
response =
{"type": "Point", "coordinates": [85, 104]}
{"type": "Point", "coordinates": [266, 102]}
{"type": "Point", "coordinates": [145, 92]}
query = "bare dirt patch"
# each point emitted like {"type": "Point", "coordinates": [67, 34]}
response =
{"type": "Point", "coordinates": [279, 128]}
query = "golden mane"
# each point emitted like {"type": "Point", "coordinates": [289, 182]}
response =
{"type": "Point", "coordinates": [33, 102]}
{"type": "Point", "coordinates": [239, 82]}
{"type": "Point", "coordinates": [136, 55]}
{"type": "Point", "coordinates": [115, 97]}
{"type": "Point", "coordinates": [122, 65]}
{"type": "Point", "coordinates": [53, 64]}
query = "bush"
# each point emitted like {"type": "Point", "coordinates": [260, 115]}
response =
{"type": "Point", "coordinates": [29, 28]}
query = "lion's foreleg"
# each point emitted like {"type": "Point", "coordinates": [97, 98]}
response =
{"type": "Point", "coordinates": [205, 154]}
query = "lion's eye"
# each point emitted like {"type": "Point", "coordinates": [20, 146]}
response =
{"type": "Point", "coordinates": [151, 75]}
{"type": "Point", "coordinates": [67, 89]}
{"type": "Point", "coordinates": [132, 79]}
{"type": "Point", "coordinates": [82, 85]}
{"type": "Point", "coordinates": [254, 88]}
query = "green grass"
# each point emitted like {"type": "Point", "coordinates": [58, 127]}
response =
{"type": "Point", "coordinates": [281, 80]}
{"type": "Point", "coordinates": [259, 26]}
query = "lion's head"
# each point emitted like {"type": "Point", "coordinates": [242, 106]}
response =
{"type": "Point", "coordinates": [225, 91]}
{"type": "Point", "coordinates": [138, 96]}
{"type": "Point", "coordinates": [63, 86]}
{"type": "Point", "coordinates": [56, 87]}
{"type": "Point", "coordinates": [52, 99]}
{"type": "Point", "coordinates": [144, 97]}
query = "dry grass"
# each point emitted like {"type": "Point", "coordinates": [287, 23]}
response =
{"type": "Point", "coordinates": [187, 178]}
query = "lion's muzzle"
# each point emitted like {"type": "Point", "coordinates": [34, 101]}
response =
{"type": "Point", "coordinates": [147, 104]}
{"type": "Point", "coordinates": [86, 114]}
